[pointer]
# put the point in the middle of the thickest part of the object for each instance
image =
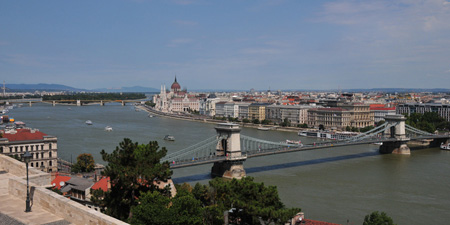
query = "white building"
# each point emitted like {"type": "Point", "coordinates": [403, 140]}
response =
{"type": "Point", "coordinates": [176, 100]}
{"type": "Point", "coordinates": [42, 147]}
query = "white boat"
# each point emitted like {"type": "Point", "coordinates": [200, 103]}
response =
{"type": "Point", "coordinates": [445, 146]}
{"type": "Point", "coordinates": [263, 128]}
{"type": "Point", "coordinates": [88, 122]}
{"type": "Point", "coordinates": [108, 128]}
{"type": "Point", "coordinates": [378, 143]}
{"type": "Point", "coordinates": [336, 135]}
{"type": "Point", "coordinates": [299, 142]}
{"type": "Point", "coordinates": [150, 115]}
{"type": "Point", "coordinates": [169, 138]}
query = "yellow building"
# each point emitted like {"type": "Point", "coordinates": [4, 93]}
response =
{"type": "Point", "coordinates": [257, 111]}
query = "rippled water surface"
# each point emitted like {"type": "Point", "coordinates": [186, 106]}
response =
{"type": "Point", "coordinates": [334, 185]}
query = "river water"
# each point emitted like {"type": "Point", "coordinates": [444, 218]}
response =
{"type": "Point", "coordinates": [336, 185]}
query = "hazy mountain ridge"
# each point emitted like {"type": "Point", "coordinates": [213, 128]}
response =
{"type": "Point", "coordinates": [60, 87]}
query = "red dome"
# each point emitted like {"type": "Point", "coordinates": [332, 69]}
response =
{"type": "Point", "coordinates": [175, 85]}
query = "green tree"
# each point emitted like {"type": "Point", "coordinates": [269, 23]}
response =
{"type": "Point", "coordinates": [245, 120]}
{"type": "Point", "coordinates": [265, 122]}
{"type": "Point", "coordinates": [365, 129]}
{"type": "Point", "coordinates": [286, 122]}
{"type": "Point", "coordinates": [85, 163]}
{"type": "Point", "coordinates": [255, 121]}
{"type": "Point", "coordinates": [254, 202]}
{"type": "Point", "coordinates": [303, 125]}
{"type": "Point", "coordinates": [376, 218]}
{"type": "Point", "coordinates": [133, 169]}
{"type": "Point", "coordinates": [347, 128]}
{"type": "Point", "coordinates": [156, 208]}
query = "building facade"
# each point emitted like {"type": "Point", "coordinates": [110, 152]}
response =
{"type": "Point", "coordinates": [42, 147]}
{"type": "Point", "coordinates": [257, 111]}
{"type": "Point", "coordinates": [176, 100]}
{"type": "Point", "coordinates": [296, 114]}
{"type": "Point", "coordinates": [330, 118]}
{"type": "Point", "coordinates": [360, 113]}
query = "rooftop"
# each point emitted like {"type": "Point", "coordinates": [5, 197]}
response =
{"type": "Point", "coordinates": [23, 135]}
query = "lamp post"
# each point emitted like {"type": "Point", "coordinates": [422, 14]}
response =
{"type": "Point", "coordinates": [27, 157]}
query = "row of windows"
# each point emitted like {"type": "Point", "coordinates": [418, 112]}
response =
{"type": "Point", "coordinates": [25, 148]}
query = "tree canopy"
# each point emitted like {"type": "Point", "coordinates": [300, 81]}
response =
{"type": "Point", "coordinates": [133, 169]}
{"type": "Point", "coordinates": [85, 163]}
{"type": "Point", "coordinates": [246, 202]}
{"type": "Point", "coordinates": [376, 218]}
{"type": "Point", "coordinates": [428, 121]}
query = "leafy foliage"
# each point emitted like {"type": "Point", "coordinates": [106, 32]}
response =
{"type": "Point", "coordinates": [85, 163]}
{"type": "Point", "coordinates": [429, 121]}
{"type": "Point", "coordinates": [376, 218]}
{"type": "Point", "coordinates": [253, 202]}
{"type": "Point", "coordinates": [133, 168]}
{"type": "Point", "coordinates": [286, 122]}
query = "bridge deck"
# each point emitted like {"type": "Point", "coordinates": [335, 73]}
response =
{"type": "Point", "coordinates": [320, 145]}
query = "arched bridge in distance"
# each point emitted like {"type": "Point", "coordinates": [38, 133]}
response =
{"type": "Point", "coordinates": [229, 149]}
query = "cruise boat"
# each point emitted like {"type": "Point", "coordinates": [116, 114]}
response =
{"type": "Point", "coordinates": [108, 128]}
{"type": "Point", "coordinates": [334, 135]}
{"type": "Point", "coordinates": [169, 138]}
{"type": "Point", "coordinates": [88, 122]}
{"type": "Point", "coordinates": [445, 146]}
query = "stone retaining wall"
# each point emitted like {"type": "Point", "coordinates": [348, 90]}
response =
{"type": "Point", "coordinates": [59, 205]}
{"type": "Point", "coordinates": [46, 199]}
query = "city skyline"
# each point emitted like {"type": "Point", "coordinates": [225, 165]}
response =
{"type": "Point", "coordinates": [227, 45]}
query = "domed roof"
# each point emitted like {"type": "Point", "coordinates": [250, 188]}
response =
{"type": "Point", "coordinates": [175, 85]}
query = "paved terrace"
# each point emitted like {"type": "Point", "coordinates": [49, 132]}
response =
{"type": "Point", "coordinates": [47, 207]}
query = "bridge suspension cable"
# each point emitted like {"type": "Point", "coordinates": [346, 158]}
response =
{"type": "Point", "coordinates": [370, 133]}
{"type": "Point", "coordinates": [416, 131]}
{"type": "Point", "coordinates": [193, 149]}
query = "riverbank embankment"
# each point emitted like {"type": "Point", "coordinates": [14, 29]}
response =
{"type": "Point", "coordinates": [205, 119]}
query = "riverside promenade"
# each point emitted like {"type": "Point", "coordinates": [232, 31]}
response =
{"type": "Point", "coordinates": [206, 119]}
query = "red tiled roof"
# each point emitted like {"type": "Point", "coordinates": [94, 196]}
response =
{"type": "Point", "coordinates": [24, 135]}
{"type": "Point", "coordinates": [56, 182]}
{"type": "Point", "coordinates": [380, 108]}
{"type": "Point", "coordinates": [101, 184]}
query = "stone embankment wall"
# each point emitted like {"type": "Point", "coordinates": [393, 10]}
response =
{"type": "Point", "coordinates": [47, 199]}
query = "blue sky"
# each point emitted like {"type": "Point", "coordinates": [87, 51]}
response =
{"type": "Point", "coordinates": [227, 44]}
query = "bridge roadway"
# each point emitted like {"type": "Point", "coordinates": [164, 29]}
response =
{"type": "Point", "coordinates": [265, 152]}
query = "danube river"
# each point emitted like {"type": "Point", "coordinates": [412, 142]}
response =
{"type": "Point", "coordinates": [334, 185]}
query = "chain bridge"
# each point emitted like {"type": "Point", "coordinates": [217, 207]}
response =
{"type": "Point", "coordinates": [229, 149]}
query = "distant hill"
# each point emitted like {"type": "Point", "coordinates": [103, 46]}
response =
{"type": "Point", "coordinates": [127, 89]}
{"type": "Point", "coordinates": [59, 87]}
{"type": "Point", "coordinates": [41, 87]}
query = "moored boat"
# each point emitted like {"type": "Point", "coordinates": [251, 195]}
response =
{"type": "Point", "coordinates": [263, 128]}
{"type": "Point", "coordinates": [445, 146]}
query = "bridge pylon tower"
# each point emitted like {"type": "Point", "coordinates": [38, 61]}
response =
{"type": "Point", "coordinates": [229, 145]}
{"type": "Point", "coordinates": [398, 132]}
